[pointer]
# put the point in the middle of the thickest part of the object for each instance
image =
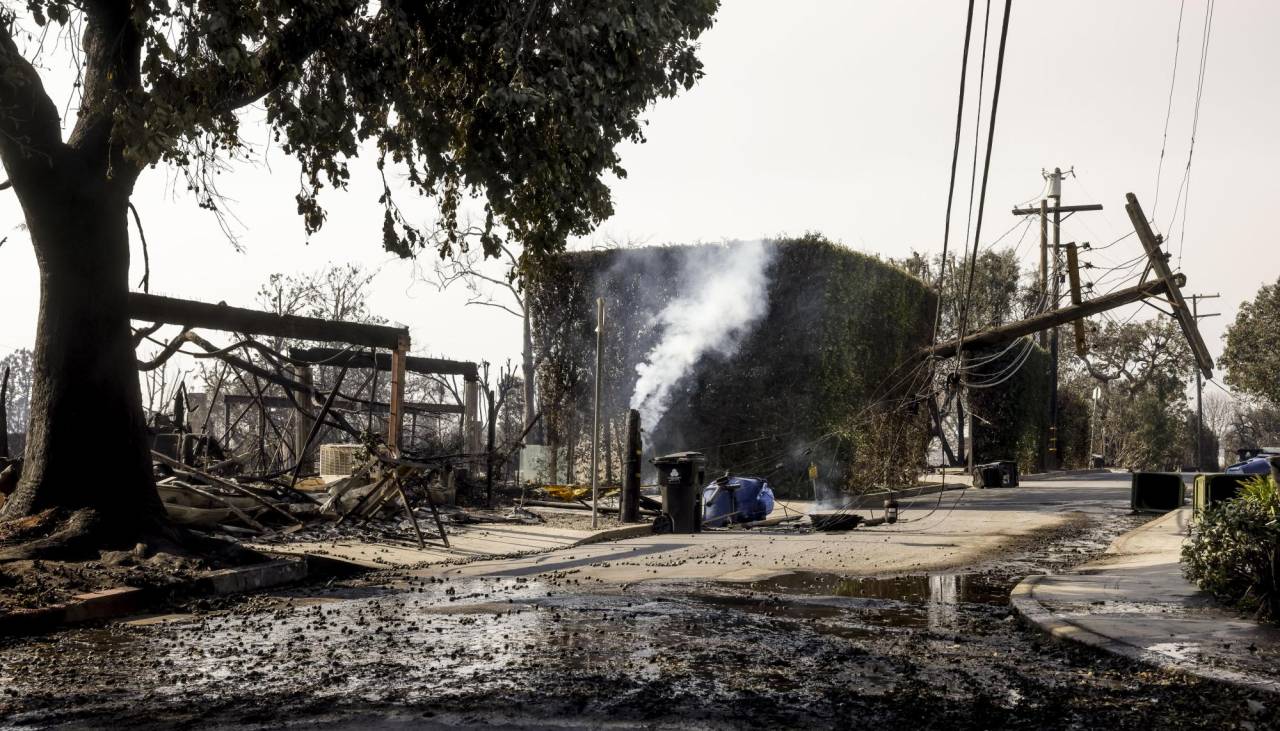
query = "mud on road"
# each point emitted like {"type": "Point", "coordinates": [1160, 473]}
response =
{"type": "Point", "coordinates": [803, 650]}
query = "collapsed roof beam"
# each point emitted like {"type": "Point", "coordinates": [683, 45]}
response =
{"type": "Point", "coordinates": [377, 407]}
{"type": "Point", "coordinates": [360, 359]}
{"type": "Point", "coordinates": [192, 314]}
{"type": "Point", "coordinates": [1014, 330]}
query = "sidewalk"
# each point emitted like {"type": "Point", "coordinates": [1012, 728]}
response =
{"type": "Point", "coordinates": [1135, 602]}
{"type": "Point", "coordinates": [465, 542]}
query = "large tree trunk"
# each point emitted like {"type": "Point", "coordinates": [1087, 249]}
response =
{"type": "Point", "coordinates": [87, 442]}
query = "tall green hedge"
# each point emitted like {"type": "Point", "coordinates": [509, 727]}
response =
{"type": "Point", "coordinates": [1010, 416]}
{"type": "Point", "coordinates": [825, 376]}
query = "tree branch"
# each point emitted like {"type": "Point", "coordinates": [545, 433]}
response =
{"type": "Point", "coordinates": [112, 73]}
{"type": "Point", "coordinates": [146, 257]}
{"type": "Point", "coordinates": [220, 91]}
{"type": "Point", "coordinates": [487, 303]}
{"type": "Point", "coordinates": [30, 137]}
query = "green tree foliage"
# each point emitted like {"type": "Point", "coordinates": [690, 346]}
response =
{"type": "Point", "coordinates": [997, 297]}
{"type": "Point", "coordinates": [1252, 353]}
{"type": "Point", "coordinates": [1141, 371]}
{"type": "Point", "coordinates": [522, 102]}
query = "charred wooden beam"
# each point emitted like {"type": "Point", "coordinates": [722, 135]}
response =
{"type": "Point", "coordinates": [360, 359]}
{"type": "Point", "coordinates": [377, 407]}
{"type": "Point", "coordinates": [192, 314]}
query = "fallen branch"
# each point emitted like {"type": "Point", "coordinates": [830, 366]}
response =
{"type": "Point", "coordinates": [248, 519]}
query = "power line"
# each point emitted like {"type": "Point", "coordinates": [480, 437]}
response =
{"type": "Point", "coordinates": [1205, 37]}
{"type": "Point", "coordinates": [955, 158]}
{"type": "Point", "coordinates": [977, 126]}
{"type": "Point", "coordinates": [1177, 44]}
{"type": "Point", "coordinates": [986, 167]}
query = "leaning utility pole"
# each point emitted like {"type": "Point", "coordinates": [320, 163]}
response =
{"type": "Point", "coordinates": [1166, 285]}
{"type": "Point", "coordinates": [1158, 262]}
{"type": "Point", "coordinates": [1195, 313]}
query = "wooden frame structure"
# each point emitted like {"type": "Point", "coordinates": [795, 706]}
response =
{"type": "Point", "coordinates": [191, 314]}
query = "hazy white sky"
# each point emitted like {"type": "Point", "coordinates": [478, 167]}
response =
{"type": "Point", "coordinates": [834, 117]}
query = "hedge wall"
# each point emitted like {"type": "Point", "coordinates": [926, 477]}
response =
{"type": "Point", "coordinates": [821, 377]}
{"type": "Point", "coordinates": [1009, 417]}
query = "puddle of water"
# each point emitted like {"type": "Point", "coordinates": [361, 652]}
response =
{"type": "Point", "coordinates": [855, 606]}
{"type": "Point", "coordinates": [940, 588]}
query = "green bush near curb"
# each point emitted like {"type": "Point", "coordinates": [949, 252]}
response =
{"type": "Point", "coordinates": [1234, 551]}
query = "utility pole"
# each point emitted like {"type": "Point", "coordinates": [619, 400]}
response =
{"type": "Point", "coordinates": [595, 416]}
{"type": "Point", "coordinates": [1195, 313]}
{"type": "Point", "coordinates": [1055, 192]}
{"type": "Point", "coordinates": [1050, 291]}
{"type": "Point", "coordinates": [1044, 262]}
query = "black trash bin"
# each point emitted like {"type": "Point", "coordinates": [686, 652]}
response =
{"type": "Point", "coordinates": [988, 475]}
{"type": "Point", "coordinates": [681, 476]}
{"type": "Point", "coordinates": [996, 474]}
{"type": "Point", "coordinates": [1009, 470]}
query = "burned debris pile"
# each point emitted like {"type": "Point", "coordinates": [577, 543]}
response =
{"type": "Point", "coordinates": [308, 427]}
{"type": "Point", "coordinates": [379, 488]}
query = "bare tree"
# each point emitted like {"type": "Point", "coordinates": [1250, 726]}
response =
{"type": "Point", "coordinates": [1219, 411]}
{"type": "Point", "coordinates": [495, 283]}
{"type": "Point", "coordinates": [18, 396]}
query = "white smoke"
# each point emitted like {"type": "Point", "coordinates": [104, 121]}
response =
{"type": "Point", "coordinates": [724, 297]}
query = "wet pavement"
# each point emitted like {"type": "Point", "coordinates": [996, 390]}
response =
{"type": "Point", "coordinates": [816, 650]}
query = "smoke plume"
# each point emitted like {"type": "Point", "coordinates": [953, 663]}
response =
{"type": "Point", "coordinates": [725, 293]}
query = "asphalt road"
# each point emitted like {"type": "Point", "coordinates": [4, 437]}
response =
{"type": "Point", "coordinates": [569, 642]}
{"type": "Point", "coordinates": [936, 532]}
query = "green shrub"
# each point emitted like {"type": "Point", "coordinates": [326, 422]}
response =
{"type": "Point", "coordinates": [1010, 416]}
{"type": "Point", "coordinates": [1234, 551]}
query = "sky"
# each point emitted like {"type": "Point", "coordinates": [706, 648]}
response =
{"type": "Point", "coordinates": [834, 117]}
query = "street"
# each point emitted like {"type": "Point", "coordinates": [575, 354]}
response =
{"type": "Point", "coordinates": [902, 626]}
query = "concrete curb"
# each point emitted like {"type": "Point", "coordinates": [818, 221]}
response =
{"type": "Point", "coordinates": [620, 533]}
{"type": "Point", "coordinates": [125, 600]}
{"type": "Point", "coordinates": [1035, 614]}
